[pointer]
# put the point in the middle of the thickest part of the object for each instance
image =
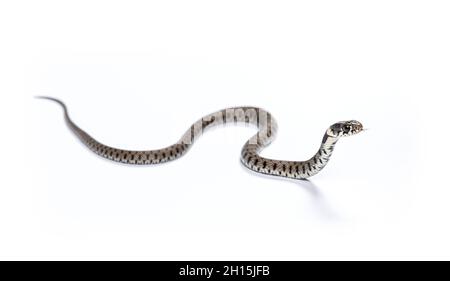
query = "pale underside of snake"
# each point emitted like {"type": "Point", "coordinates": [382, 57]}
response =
{"type": "Point", "coordinates": [263, 120]}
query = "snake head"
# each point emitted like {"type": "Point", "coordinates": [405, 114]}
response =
{"type": "Point", "coordinates": [345, 128]}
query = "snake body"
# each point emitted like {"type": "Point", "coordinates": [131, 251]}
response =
{"type": "Point", "coordinates": [263, 120]}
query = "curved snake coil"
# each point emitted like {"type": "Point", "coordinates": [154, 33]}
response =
{"type": "Point", "coordinates": [263, 120]}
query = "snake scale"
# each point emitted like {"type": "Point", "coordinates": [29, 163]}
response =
{"type": "Point", "coordinates": [263, 120]}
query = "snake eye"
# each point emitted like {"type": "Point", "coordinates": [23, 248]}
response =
{"type": "Point", "coordinates": [346, 128]}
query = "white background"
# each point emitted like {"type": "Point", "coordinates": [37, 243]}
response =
{"type": "Point", "coordinates": [136, 74]}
